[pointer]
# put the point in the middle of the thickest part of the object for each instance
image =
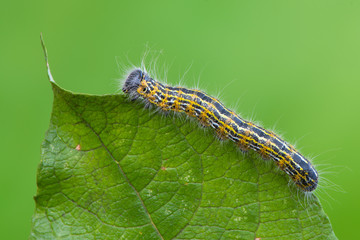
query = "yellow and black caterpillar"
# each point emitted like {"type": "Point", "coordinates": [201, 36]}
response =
{"type": "Point", "coordinates": [227, 124]}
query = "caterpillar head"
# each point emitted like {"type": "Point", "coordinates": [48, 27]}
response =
{"type": "Point", "coordinates": [137, 84]}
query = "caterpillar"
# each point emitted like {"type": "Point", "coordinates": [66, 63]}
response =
{"type": "Point", "coordinates": [228, 125]}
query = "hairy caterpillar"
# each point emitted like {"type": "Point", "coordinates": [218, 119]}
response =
{"type": "Point", "coordinates": [227, 124]}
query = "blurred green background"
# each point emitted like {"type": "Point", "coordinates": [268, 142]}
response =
{"type": "Point", "coordinates": [293, 64]}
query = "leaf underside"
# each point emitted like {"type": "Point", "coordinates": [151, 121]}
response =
{"type": "Point", "coordinates": [111, 169]}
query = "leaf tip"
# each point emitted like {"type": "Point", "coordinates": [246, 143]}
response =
{"type": "Point", "coordinates": [46, 59]}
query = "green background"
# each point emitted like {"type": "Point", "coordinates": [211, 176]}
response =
{"type": "Point", "coordinates": [292, 65]}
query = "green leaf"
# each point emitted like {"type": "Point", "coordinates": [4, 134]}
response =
{"type": "Point", "coordinates": [111, 169]}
